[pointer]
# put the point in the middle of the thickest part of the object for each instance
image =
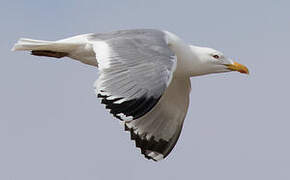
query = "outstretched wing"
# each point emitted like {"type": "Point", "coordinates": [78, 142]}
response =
{"type": "Point", "coordinates": [136, 66]}
{"type": "Point", "coordinates": [157, 132]}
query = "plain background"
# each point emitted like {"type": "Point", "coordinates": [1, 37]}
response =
{"type": "Point", "coordinates": [53, 127]}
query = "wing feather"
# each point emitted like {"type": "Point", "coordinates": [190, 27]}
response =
{"type": "Point", "coordinates": [157, 132]}
{"type": "Point", "coordinates": [136, 67]}
{"type": "Point", "coordinates": [137, 84]}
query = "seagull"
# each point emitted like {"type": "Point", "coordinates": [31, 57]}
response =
{"type": "Point", "coordinates": [144, 78]}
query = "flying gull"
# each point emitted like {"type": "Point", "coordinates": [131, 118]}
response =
{"type": "Point", "coordinates": [144, 78]}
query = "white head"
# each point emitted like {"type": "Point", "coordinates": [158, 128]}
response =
{"type": "Point", "coordinates": [212, 61]}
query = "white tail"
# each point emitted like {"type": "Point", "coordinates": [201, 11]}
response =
{"type": "Point", "coordinates": [43, 48]}
{"type": "Point", "coordinates": [64, 45]}
{"type": "Point", "coordinates": [75, 47]}
{"type": "Point", "coordinates": [24, 44]}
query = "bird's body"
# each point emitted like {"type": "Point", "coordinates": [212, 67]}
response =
{"type": "Point", "coordinates": [144, 78]}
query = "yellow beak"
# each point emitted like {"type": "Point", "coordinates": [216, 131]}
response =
{"type": "Point", "coordinates": [238, 67]}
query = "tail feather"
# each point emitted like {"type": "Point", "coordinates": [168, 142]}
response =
{"type": "Point", "coordinates": [62, 46]}
{"type": "Point", "coordinates": [73, 47]}
{"type": "Point", "coordinates": [24, 44]}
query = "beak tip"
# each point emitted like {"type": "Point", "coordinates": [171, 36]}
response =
{"type": "Point", "coordinates": [246, 71]}
{"type": "Point", "coordinates": [239, 67]}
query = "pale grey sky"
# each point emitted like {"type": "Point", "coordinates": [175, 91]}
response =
{"type": "Point", "coordinates": [53, 127]}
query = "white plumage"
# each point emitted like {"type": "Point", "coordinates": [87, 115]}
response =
{"type": "Point", "coordinates": [144, 78]}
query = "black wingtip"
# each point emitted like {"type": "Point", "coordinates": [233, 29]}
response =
{"type": "Point", "coordinates": [134, 108]}
{"type": "Point", "coordinates": [150, 148]}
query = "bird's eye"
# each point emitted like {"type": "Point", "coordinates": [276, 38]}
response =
{"type": "Point", "coordinates": [216, 56]}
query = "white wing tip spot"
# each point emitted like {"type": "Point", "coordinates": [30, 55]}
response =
{"type": "Point", "coordinates": [124, 117]}
{"type": "Point", "coordinates": [120, 101]}
{"type": "Point", "coordinates": [155, 155]}
{"type": "Point", "coordinates": [112, 97]}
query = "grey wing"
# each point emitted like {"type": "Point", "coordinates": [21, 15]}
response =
{"type": "Point", "coordinates": [157, 132]}
{"type": "Point", "coordinates": [136, 66]}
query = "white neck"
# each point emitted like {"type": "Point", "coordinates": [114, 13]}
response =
{"type": "Point", "coordinates": [198, 65]}
{"type": "Point", "coordinates": [189, 57]}
{"type": "Point", "coordinates": [190, 61]}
